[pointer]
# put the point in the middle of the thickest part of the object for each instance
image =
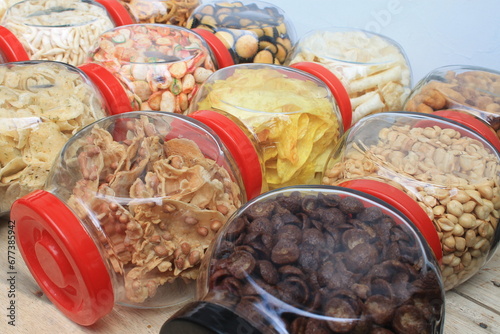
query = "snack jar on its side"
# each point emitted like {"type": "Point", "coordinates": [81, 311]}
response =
{"type": "Point", "coordinates": [160, 66]}
{"type": "Point", "coordinates": [294, 115]}
{"type": "Point", "coordinates": [43, 103]}
{"type": "Point", "coordinates": [316, 259]}
{"type": "Point", "coordinates": [463, 88]}
{"type": "Point", "coordinates": [175, 12]}
{"type": "Point", "coordinates": [129, 208]}
{"type": "Point", "coordinates": [447, 167]}
{"type": "Point", "coordinates": [252, 31]}
{"type": "Point", "coordinates": [61, 30]}
{"type": "Point", "coordinates": [373, 68]}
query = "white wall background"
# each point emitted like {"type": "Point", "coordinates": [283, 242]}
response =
{"type": "Point", "coordinates": [432, 33]}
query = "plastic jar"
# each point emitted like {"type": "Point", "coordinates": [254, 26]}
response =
{"type": "Point", "coordinates": [160, 66]}
{"type": "Point", "coordinates": [43, 104]}
{"type": "Point", "coordinates": [175, 12]}
{"type": "Point", "coordinates": [252, 31]}
{"type": "Point", "coordinates": [62, 30]}
{"type": "Point", "coordinates": [316, 259]}
{"type": "Point", "coordinates": [131, 205]}
{"type": "Point", "coordinates": [450, 170]}
{"type": "Point", "coordinates": [294, 116]}
{"type": "Point", "coordinates": [373, 68]}
{"type": "Point", "coordinates": [466, 88]}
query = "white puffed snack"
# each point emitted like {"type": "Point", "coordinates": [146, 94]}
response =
{"type": "Point", "coordinates": [373, 68]}
{"type": "Point", "coordinates": [42, 104]}
{"type": "Point", "coordinates": [59, 30]}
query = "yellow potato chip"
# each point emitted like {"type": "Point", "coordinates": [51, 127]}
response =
{"type": "Point", "coordinates": [288, 116]}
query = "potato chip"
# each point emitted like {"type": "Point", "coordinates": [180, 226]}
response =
{"type": "Point", "coordinates": [41, 106]}
{"type": "Point", "coordinates": [286, 115]}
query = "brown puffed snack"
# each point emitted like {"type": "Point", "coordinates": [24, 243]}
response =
{"type": "Point", "coordinates": [158, 202]}
{"type": "Point", "coordinates": [324, 261]}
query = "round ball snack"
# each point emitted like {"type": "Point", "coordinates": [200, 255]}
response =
{"type": "Point", "coordinates": [257, 32]}
{"type": "Point", "coordinates": [326, 259]}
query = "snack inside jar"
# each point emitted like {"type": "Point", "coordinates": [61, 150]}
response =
{"type": "Point", "coordinates": [373, 68]}
{"type": "Point", "coordinates": [160, 66]}
{"type": "Point", "coordinates": [471, 89]}
{"type": "Point", "coordinates": [59, 30]}
{"type": "Point", "coordinates": [252, 31]}
{"type": "Point", "coordinates": [316, 260]}
{"type": "Point", "coordinates": [42, 105]}
{"type": "Point", "coordinates": [291, 116]}
{"type": "Point", "coordinates": [175, 12]}
{"type": "Point", "coordinates": [137, 200]}
{"type": "Point", "coordinates": [449, 169]}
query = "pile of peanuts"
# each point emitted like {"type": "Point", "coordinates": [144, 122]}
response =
{"type": "Point", "coordinates": [58, 30]}
{"type": "Point", "coordinates": [454, 178]}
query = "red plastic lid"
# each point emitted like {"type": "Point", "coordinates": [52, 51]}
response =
{"type": "Point", "coordinates": [336, 87]}
{"type": "Point", "coordinates": [403, 203]}
{"type": "Point", "coordinates": [240, 147]}
{"type": "Point", "coordinates": [62, 257]}
{"type": "Point", "coordinates": [220, 52]}
{"type": "Point", "coordinates": [109, 86]}
{"type": "Point", "coordinates": [10, 47]}
{"type": "Point", "coordinates": [117, 11]}
{"type": "Point", "coordinates": [472, 122]}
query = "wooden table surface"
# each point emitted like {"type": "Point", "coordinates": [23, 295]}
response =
{"type": "Point", "coordinates": [473, 307]}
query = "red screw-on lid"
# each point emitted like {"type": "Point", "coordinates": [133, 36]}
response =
{"type": "Point", "coordinates": [334, 84]}
{"type": "Point", "coordinates": [218, 48]}
{"type": "Point", "coordinates": [117, 11]}
{"type": "Point", "coordinates": [10, 47]}
{"type": "Point", "coordinates": [240, 147]}
{"type": "Point", "coordinates": [473, 123]}
{"type": "Point", "coordinates": [62, 257]}
{"type": "Point", "coordinates": [109, 86]}
{"type": "Point", "coordinates": [403, 203]}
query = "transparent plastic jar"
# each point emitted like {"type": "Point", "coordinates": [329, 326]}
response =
{"type": "Point", "coordinates": [160, 66]}
{"type": "Point", "coordinates": [294, 115]}
{"type": "Point", "coordinates": [465, 88]}
{"type": "Point", "coordinates": [43, 104]}
{"type": "Point", "coordinates": [447, 167]}
{"type": "Point", "coordinates": [373, 68]}
{"type": "Point", "coordinates": [252, 31]}
{"type": "Point", "coordinates": [175, 12]}
{"type": "Point", "coordinates": [62, 30]}
{"type": "Point", "coordinates": [128, 211]}
{"type": "Point", "coordinates": [316, 259]}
